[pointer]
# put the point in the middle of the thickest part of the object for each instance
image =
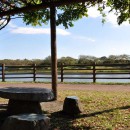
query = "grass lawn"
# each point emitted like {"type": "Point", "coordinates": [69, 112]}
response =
{"type": "Point", "coordinates": [100, 111]}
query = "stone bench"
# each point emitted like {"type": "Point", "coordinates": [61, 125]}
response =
{"type": "Point", "coordinates": [71, 106]}
{"type": "Point", "coordinates": [26, 122]}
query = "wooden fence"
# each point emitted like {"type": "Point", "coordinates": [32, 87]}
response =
{"type": "Point", "coordinates": [66, 72]}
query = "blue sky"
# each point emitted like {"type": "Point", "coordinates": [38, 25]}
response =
{"type": "Point", "coordinates": [88, 37]}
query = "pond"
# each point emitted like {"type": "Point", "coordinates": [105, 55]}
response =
{"type": "Point", "coordinates": [75, 78]}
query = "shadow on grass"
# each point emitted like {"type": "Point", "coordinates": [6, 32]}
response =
{"type": "Point", "coordinates": [104, 111]}
{"type": "Point", "coordinates": [3, 113]}
{"type": "Point", "coordinates": [61, 121]}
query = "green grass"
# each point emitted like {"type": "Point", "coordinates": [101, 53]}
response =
{"type": "Point", "coordinates": [100, 111]}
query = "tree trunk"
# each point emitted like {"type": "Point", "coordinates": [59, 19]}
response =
{"type": "Point", "coordinates": [53, 50]}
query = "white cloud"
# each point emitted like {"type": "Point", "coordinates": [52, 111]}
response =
{"type": "Point", "coordinates": [111, 17]}
{"type": "Point", "coordinates": [92, 12]}
{"type": "Point", "coordinates": [31, 30]}
{"type": "Point", "coordinates": [91, 40]}
{"type": "Point", "coordinates": [12, 25]}
{"type": "Point", "coordinates": [62, 32]}
{"type": "Point", "coordinates": [84, 38]}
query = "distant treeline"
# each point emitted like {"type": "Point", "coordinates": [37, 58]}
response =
{"type": "Point", "coordinates": [83, 59]}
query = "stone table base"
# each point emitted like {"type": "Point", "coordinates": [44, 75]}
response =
{"type": "Point", "coordinates": [20, 107]}
{"type": "Point", "coordinates": [26, 122]}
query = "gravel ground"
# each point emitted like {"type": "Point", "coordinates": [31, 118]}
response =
{"type": "Point", "coordinates": [94, 87]}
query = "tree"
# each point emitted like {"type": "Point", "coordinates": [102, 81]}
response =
{"type": "Point", "coordinates": [37, 12]}
{"type": "Point", "coordinates": [67, 60]}
{"type": "Point", "coordinates": [83, 59]}
{"type": "Point", "coordinates": [47, 60]}
{"type": "Point", "coordinates": [66, 13]}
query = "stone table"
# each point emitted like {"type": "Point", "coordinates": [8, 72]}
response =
{"type": "Point", "coordinates": [25, 100]}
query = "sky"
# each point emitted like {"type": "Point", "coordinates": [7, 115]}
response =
{"type": "Point", "coordinates": [88, 37]}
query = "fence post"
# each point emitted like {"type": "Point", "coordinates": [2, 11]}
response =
{"type": "Point", "coordinates": [34, 72]}
{"type": "Point", "coordinates": [3, 72]}
{"type": "Point", "coordinates": [94, 72]}
{"type": "Point", "coordinates": [61, 69]}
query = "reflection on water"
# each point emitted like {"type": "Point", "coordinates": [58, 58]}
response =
{"type": "Point", "coordinates": [83, 78]}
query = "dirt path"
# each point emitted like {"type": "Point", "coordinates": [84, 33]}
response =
{"type": "Point", "coordinates": [94, 87]}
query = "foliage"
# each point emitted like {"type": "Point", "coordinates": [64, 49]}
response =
{"type": "Point", "coordinates": [37, 17]}
{"type": "Point", "coordinates": [47, 60]}
{"type": "Point", "coordinates": [122, 8]}
{"type": "Point", "coordinates": [67, 14]}
{"type": "Point", "coordinates": [83, 59]}
{"type": "Point", "coordinates": [67, 60]}
{"type": "Point", "coordinates": [71, 13]}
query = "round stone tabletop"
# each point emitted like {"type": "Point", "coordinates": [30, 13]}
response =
{"type": "Point", "coordinates": [27, 94]}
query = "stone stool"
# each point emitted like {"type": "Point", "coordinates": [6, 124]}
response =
{"type": "Point", "coordinates": [71, 106]}
{"type": "Point", "coordinates": [26, 122]}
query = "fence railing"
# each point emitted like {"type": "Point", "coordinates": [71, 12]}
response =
{"type": "Point", "coordinates": [93, 72]}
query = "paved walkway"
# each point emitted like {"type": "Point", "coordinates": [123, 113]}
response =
{"type": "Point", "coordinates": [94, 87]}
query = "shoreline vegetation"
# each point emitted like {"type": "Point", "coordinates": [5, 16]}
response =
{"type": "Point", "coordinates": [82, 59]}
